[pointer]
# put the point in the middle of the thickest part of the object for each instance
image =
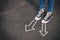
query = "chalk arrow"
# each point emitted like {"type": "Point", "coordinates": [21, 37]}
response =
{"type": "Point", "coordinates": [43, 30]}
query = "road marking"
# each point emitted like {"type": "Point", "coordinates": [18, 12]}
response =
{"type": "Point", "coordinates": [43, 30]}
{"type": "Point", "coordinates": [32, 24]}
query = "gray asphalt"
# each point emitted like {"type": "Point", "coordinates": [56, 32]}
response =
{"type": "Point", "coordinates": [14, 14]}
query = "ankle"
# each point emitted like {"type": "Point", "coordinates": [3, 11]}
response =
{"type": "Point", "coordinates": [49, 13]}
{"type": "Point", "coordinates": [42, 10]}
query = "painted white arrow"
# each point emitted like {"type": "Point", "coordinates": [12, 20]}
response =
{"type": "Point", "coordinates": [43, 30]}
{"type": "Point", "coordinates": [32, 23]}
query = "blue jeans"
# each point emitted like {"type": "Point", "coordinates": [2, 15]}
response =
{"type": "Point", "coordinates": [50, 5]}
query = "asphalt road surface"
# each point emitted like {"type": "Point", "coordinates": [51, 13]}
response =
{"type": "Point", "coordinates": [14, 14]}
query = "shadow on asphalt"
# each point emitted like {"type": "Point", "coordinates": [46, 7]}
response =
{"type": "Point", "coordinates": [34, 4]}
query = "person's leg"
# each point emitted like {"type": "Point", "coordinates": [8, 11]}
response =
{"type": "Point", "coordinates": [49, 11]}
{"type": "Point", "coordinates": [50, 5]}
{"type": "Point", "coordinates": [41, 4]}
{"type": "Point", "coordinates": [41, 7]}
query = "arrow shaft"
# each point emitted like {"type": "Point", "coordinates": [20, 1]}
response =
{"type": "Point", "coordinates": [34, 23]}
{"type": "Point", "coordinates": [44, 27]}
{"type": "Point", "coordinates": [31, 22]}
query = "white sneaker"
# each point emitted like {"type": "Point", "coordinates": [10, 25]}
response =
{"type": "Point", "coordinates": [47, 18]}
{"type": "Point", "coordinates": [38, 16]}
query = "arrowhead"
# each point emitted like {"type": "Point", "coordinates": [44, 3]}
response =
{"type": "Point", "coordinates": [28, 29]}
{"type": "Point", "coordinates": [43, 33]}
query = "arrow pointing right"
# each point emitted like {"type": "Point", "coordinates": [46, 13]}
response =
{"type": "Point", "coordinates": [43, 30]}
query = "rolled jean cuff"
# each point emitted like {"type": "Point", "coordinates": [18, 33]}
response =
{"type": "Point", "coordinates": [50, 10]}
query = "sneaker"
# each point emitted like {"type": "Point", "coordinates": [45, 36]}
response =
{"type": "Point", "coordinates": [47, 18]}
{"type": "Point", "coordinates": [38, 16]}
